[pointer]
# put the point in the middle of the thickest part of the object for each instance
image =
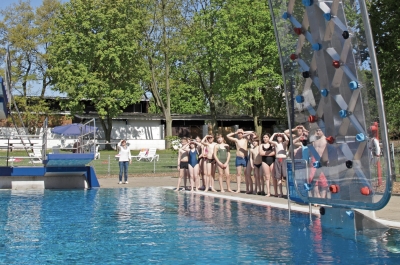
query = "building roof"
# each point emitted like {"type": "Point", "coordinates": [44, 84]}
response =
{"type": "Point", "coordinates": [175, 117]}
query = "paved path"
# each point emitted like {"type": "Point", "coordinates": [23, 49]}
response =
{"type": "Point", "coordinates": [390, 215]}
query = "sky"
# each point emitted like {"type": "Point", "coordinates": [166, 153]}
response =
{"type": "Point", "coordinates": [6, 3]}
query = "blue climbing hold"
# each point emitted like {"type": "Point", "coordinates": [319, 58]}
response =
{"type": "Point", "coordinates": [353, 85]}
{"type": "Point", "coordinates": [316, 46]}
{"type": "Point", "coordinates": [361, 137]}
{"type": "Point", "coordinates": [307, 2]}
{"type": "Point", "coordinates": [343, 113]}
{"type": "Point", "coordinates": [324, 92]}
{"type": "Point", "coordinates": [316, 164]}
{"type": "Point", "coordinates": [350, 214]}
{"type": "Point", "coordinates": [327, 16]}
{"type": "Point", "coordinates": [299, 99]}
{"type": "Point", "coordinates": [285, 15]}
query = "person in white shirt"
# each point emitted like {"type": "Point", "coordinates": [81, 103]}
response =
{"type": "Point", "coordinates": [124, 161]}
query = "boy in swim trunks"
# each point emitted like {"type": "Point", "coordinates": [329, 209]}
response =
{"type": "Point", "coordinates": [209, 173]}
{"type": "Point", "coordinates": [241, 142]}
{"type": "Point", "coordinates": [317, 175]}
{"type": "Point", "coordinates": [280, 141]}
{"type": "Point", "coordinates": [183, 166]}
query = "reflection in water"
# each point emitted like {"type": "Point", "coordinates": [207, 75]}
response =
{"type": "Point", "coordinates": [24, 206]}
{"type": "Point", "coordinates": [153, 225]}
{"type": "Point", "coordinates": [391, 240]}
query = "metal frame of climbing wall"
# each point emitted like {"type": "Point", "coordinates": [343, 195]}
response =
{"type": "Point", "coordinates": [328, 62]}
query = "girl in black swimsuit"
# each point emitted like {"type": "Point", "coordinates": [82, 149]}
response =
{"type": "Point", "coordinates": [267, 152]}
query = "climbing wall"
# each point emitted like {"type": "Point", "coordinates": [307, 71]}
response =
{"type": "Point", "coordinates": [329, 82]}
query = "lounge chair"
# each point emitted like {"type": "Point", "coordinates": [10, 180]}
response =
{"type": "Point", "coordinates": [95, 151]}
{"type": "Point", "coordinates": [151, 155]}
{"type": "Point", "coordinates": [36, 156]}
{"type": "Point", "coordinates": [142, 154]}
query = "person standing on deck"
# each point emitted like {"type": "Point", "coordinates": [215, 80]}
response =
{"type": "Point", "coordinates": [124, 159]}
{"type": "Point", "coordinates": [281, 143]}
{"type": "Point", "coordinates": [200, 149]}
{"type": "Point", "coordinates": [183, 165]}
{"type": "Point", "coordinates": [267, 152]}
{"type": "Point", "coordinates": [209, 167]}
{"type": "Point", "coordinates": [193, 166]}
{"type": "Point", "coordinates": [241, 142]}
{"type": "Point", "coordinates": [222, 156]}
{"type": "Point", "coordinates": [256, 163]}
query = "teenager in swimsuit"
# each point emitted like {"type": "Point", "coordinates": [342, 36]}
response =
{"type": "Point", "coordinates": [222, 155]}
{"type": "Point", "coordinates": [183, 165]}
{"type": "Point", "coordinates": [267, 153]}
{"type": "Point", "coordinates": [210, 162]}
{"type": "Point", "coordinates": [200, 150]}
{"type": "Point", "coordinates": [247, 173]}
{"type": "Point", "coordinates": [193, 166]}
{"type": "Point", "coordinates": [317, 175]}
{"type": "Point", "coordinates": [255, 163]}
{"type": "Point", "coordinates": [280, 144]}
{"type": "Point", "coordinates": [241, 152]}
{"type": "Point", "coordinates": [298, 132]}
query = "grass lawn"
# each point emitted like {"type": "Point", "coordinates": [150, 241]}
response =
{"type": "Point", "coordinates": [108, 165]}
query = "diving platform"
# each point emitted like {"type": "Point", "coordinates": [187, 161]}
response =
{"type": "Point", "coordinates": [59, 171]}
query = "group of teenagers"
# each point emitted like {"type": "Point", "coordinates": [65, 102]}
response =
{"type": "Point", "coordinates": [265, 159]}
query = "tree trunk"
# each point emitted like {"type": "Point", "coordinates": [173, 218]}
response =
{"type": "Point", "coordinates": [106, 124]}
{"type": "Point", "coordinates": [213, 112]}
{"type": "Point", "coordinates": [26, 75]}
{"type": "Point", "coordinates": [256, 120]}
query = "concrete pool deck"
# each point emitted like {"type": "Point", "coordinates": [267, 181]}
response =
{"type": "Point", "coordinates": [390, 215]}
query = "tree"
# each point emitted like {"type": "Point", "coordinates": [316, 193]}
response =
{"type": "Point", "coordinates": [33, 110]}
{"type": "Point", "coordinates": [25, 31]}
{"type": "Point", "coordinates": [234, 54]}
{"type": "Point", "coordinates": [44, 20]}
{"type": "Point", "coordinates": [252, 78]}
{"type": "Point", "coordinates": [96, 55]}
{"type": "Point", "coordinates": [18, 31]}
{"type": "Point", "coordinates": [206, 48]}
{"type": "Point", "coordinates": [384, 22]}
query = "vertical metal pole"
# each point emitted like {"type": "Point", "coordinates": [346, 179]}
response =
{"type": "Point", "coordinates": [310, 211]}
{"type": "Point", "coordinates": [8, 149]}
{"type": "Point", "coordinates": [393, 162]}
{"type": "Point", "coordinates": [154, 165]}
{"type": "Point", "coordinates": [109, 162]}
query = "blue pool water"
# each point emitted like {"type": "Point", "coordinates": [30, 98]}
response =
{"type": "Point", "coordinates": [154, 225]}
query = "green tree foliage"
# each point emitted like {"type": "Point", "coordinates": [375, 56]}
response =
{"type": "Point", "coordinates": [206, 48]}
{"type": "Point", "coordinates": [18, 31]}
{"type": "Point", "coordinates": [234, 54]}
{"type": "Point", "coordinates": [96, 54]}
{"type": "Point", "coordinates": [252, 78]}
{"type": "Point", "coordinates": [385, 20]}
{"type": "Point", "coordinates": [26, 32]}
{"type": "Point", "coordinates": [33, 112]}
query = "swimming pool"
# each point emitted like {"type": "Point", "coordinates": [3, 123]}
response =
{"type": "Point", "coordinates": [155, 225]}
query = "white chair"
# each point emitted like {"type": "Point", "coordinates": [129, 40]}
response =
{"type": "Point", "coordinates": [36, 156]}
{"type": "Point", "coordinates": [142, 155]}
{"type": "Point", "coordinates": [95, 151]}
{"type": "Point", "coordinates": [151, 155]}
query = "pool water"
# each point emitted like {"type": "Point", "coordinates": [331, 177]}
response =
{"type": "Point", "coordinates": [155, 225]}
